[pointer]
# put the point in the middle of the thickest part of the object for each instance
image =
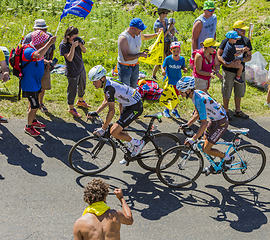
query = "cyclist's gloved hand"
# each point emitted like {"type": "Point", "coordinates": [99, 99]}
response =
{"type": "Point", "coordinates": [92, 114]}
{"type": "Point", "coordinates": [190, 141]}
{"type": "Point", "coordinates": [99, 132]}
{"type": "Point", "coordinates": [182, 126]}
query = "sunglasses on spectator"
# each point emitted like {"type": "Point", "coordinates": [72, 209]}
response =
{"type": "Point", "coordinates": [211, 10]}
{"type": "Point", "coordinates": [164, 12]}
{"type": "Point", "coordinates": [241, 30]}
{"type": "Point", "coordinates": [213, 47]}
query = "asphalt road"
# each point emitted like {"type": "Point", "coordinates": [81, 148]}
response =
{"type": "Point", "coordinates": [41, 196]}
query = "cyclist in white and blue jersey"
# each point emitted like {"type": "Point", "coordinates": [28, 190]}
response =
{"type": "Point", "coordinates": [205, 107]}
{"type": "Point", "coordinates": [130, 104]}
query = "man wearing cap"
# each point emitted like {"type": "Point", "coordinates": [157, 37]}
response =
{"type": "Point", "coordinates": [230, 70]}
{"type": "Point", "coordinates": [129, 45]}
{"type": "Point", "coordinates": [33, 56]}
{"type": "Point", "coordinates": [203, 27]}
{"type": "Point", "coordinates": [163, 24]}
{"type": "Point", "coordinates": [40, 24]}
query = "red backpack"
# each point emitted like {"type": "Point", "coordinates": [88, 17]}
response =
{"type": "Point", "coordinates": [15, 61]}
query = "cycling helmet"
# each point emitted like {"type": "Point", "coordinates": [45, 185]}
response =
{"type": "Point", "coordinates": [96, 73]}
{"type": "Point", "coordinates": [185, 84]}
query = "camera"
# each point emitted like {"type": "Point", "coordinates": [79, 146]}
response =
{"type": "Point", "coordinates": [54, 61]}
{"type": "Point", "coordinates": [80, 40]}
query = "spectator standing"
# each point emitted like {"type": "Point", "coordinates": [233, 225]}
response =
{"type": "Point", "coordinates": [205, 60]}
{"type": "Point", "coordinates": [162, 23]}
{"type": "Point", "coordinates": [32, 75]}
{"type": "Point", "coordinates": [4, 76]}
{"type": "Point", "coordinates": [129, 45]}
{"type": "Point", "coordinates": [40, 24]}
{"type": "Point", "coordinates": [203, 27]}
{"type": "Point", "coordinates": [98, 220]}
{"type": "Point", "coordinates": [71, 47]}
{"type": "Point", "coordinates": [230, 70]}
{"type": "Point", "coordinates": [171, 68]}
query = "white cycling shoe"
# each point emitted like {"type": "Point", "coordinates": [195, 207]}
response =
{"type": "Point", "coordinates": [138, 148]}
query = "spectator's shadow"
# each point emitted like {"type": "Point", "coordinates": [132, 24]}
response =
{"type": "Point", "coordinates": [19, 154]}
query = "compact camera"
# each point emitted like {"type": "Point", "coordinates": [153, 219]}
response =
{"type": "Point", "coordinates": [80, 40]}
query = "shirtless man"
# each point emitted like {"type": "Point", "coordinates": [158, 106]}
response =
{"type": "Point", "coordinates": [98, 221]}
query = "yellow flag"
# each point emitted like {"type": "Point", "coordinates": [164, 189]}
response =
{"type": "Point", "coordinates": [155, 52]}
{"type": "Point", "coordinates": [168, 98]}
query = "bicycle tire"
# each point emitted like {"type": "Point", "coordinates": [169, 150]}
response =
{"type": "Point", "coordinates": [177, 176]}
{"type": "Point", "coordinates": [150, 155]}
{"type": "Point", "coordinates": [247, 153]}
{"type": "Point", "coordinates": [235, 3]}
{"type": "Point", "coordinates": [80, 158]}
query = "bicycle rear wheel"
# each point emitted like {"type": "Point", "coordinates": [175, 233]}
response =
{"type": "Point", "coordinates": [251, 166]}
{"type": "Point", "coordinates": [150, 154]}
{"type": "Point", "coordinates": [92, 155]}
{"type": "Point", "coordinates": [185, 168]}
{"type": "Point", "coordinates": [235, 3]}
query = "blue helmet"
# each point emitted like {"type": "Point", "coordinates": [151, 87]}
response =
{"type": "Point", "coordinates": [185, 83]}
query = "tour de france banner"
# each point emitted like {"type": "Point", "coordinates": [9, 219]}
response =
{"type": "Point", "coordinates": [155, 53]}
{"type": "Point", "coordinates": [168, 98]}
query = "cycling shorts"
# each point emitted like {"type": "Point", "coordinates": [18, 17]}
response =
{"type": "Point", "coordinates": [215, 129]}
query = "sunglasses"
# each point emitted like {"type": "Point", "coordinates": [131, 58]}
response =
{"type": "Point", "coordinates": [164, 13]}
{"type": "Point", "coordinates": [211, 10]}
{"type": "Point", "coordinates": [213, 47]}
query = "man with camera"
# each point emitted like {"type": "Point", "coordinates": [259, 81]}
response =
{"type": "Point", "coordinates": [71, 48]}
{"type": "Point", "coordinates": [40, 24]}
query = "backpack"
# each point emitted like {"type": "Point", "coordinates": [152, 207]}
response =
{"type": "Point", "coordinates": [15, 61]}
{"type": "Point", "coordinates": [149, 89]}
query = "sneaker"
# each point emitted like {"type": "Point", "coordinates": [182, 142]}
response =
{"type": "Point", "coordinates": [31, 131]}
{"type": "Point", "coordinates": [206, 170]}
{"type": "Point", "coordinates": [3, 120]}
{"type": "Point", "coordinates": [138, 149]}
{"type": "Point", "coordinates": [154, 78]}
{"type": "Point", "coordinates": [83, 104]}
{"type": "Point", "coordinates": [123, 161]}
{"type": "Point", "coordinates": [176, 114]}
{"type": "Point", "coordinates": [74, 113]}
{"type": "Point", "coordinates": [240, 80]}
{"type": "Point", "coordinates": [37, 124]}
{"type": "Point", "coordinates": [228, 163]}
{"type": "Point", "coordinates": [167, 113]}
{"type": "Point", "coordinates": [267, 104]}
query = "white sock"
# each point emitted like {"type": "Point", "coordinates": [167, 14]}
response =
{"type": "Point", "coordinates": [135, 142]}
{"type": "Point", "coordinates": [227, 156]}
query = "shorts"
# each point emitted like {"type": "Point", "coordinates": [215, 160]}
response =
{"type": "Point", "coordinates": [33, 98]}
{"type": "Point", "coordinates": [215, 129]}
{"type": "Point", "coordinates": [228, 84]}
{"type": "Point", "coordinates": [130, 113]}
{"type": "Point", "coordinates": [46, 80]}
{"type": "Point", "coordinates": [128, 75]}
{"type": "Point", "coordinates": [201, 84]}
{"type": "Point", "coordinates": [167, 50]}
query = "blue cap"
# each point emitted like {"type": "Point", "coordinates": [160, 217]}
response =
{"type": "Point", "coordinates": [232, 35]}
{"type": "Point", "coordinates": [137, 23]}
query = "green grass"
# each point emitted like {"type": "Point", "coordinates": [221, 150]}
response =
{"type": "Point", "coordinates": [101, 30]}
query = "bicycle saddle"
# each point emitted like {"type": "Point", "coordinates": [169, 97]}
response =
{"type": "Point", "coordinates": [243, 131]}
{"type": "Point", "coordinates": [155, 116]}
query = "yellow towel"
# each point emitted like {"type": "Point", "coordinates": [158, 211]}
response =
{"type": "Point", "coordinates": [98, 208]}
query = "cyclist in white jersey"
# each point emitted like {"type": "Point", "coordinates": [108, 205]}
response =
{"type": "Point", "coordinates": [205, 107]}
{"type": "Point", "coordinates": [128, 98]}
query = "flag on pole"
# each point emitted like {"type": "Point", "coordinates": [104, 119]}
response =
{"type": "Point", "coordinates": [168, 98]}
{"type": "Point", "coordinates": [155, 53]}
{"type": "Point", "coordinates": [80, 8]}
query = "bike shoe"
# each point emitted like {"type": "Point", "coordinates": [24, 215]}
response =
{"type": "Point", "coordinates": [206, 170]}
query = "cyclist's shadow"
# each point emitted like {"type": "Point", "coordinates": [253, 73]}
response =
{"type": "Point", "coordinates": [245, 204]}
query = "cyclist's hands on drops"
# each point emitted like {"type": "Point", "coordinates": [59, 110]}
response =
{"type": "Point", "coordinates": [99, 132]}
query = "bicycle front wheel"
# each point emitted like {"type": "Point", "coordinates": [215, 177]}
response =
{"type": "Point", "coordinates": [184, 170]}
{"type": "Point", "coordinates": [249, 163]}
{"type": "Point", "coordinates": [154, 148]}
{"type": "Point", "coordinates": [92, 155]}
{"type": "Point", "coordinates": [235, 3]}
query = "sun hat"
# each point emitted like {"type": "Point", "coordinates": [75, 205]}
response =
{"type": "Point", "coordinates": [240, 24]}
{"type": "Point", "coordinates": [232, 35]}
{"type": "Point", "coordinates": [137, 23]}
{"type": "Point", "coordinates": [208, 5]}
{"type": "Point", "coordinates": [175, 44]}
{"type": "Point", "coordinates": [40, 24]}
{"type": "Point", "coordinates": [163, 10]}
{"type": "Point", "coordinates": [38, 37]}
{"type": "Point", "coordinates": [209, 42]}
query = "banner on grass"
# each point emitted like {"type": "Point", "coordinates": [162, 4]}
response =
{"type": "Point", "coordinates": [155, 52]}
{"type": "Point", "coordinates": [168, 98]}
{"type": "Point", "coordinates": [80, 8]}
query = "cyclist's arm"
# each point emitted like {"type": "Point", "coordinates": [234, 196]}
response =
{"type": "Point", "coordinates": [200, 130]}
{"type": "Point", "coordinates": [110, 115]}
{"type": "Point", "coordinates": [103, 104]}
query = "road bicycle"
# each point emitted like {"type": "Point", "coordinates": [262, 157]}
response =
{"type": "Point", "coordinates": [188, 163]}
{"type": "Point", "coordinates": [93, 154]}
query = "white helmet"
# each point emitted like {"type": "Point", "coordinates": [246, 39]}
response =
{"type": "Point", "coordinates": [96, 73]}
{"type": "Point", "coordinates": [185, 84]}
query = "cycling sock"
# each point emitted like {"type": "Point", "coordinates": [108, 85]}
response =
{"type": "Point", "coordinates": [227, 156]}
